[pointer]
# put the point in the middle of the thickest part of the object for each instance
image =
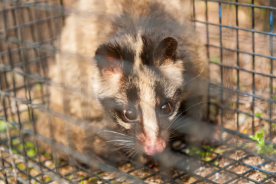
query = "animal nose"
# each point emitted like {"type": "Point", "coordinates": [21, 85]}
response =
{"type": "Point", "coordinates": [154, 147]}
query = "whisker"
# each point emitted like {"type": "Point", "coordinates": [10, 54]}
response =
{"type": "Point", "coordinates": [118, 147]}
{"type": "Point", "coordinates": [121, 134]}
{"type": "Point", "coordinates": [114, 132]}
{"type": "Point", "coordinates": [176, 119]}
{"type": "Point", "coordinates": [195, 77]}
{"type": "Point", "coordinates": [128, 153]}
{"type": "Point", "coordinates": [188, 109]}
{"type": "Point", "coordinates": [173, 122]}
{"type": "Point", "coordinates": [119, 141]}
{"type": "Point", "coordinates": [177, 122]}
{"type": "Point", "coordinates": [123, 144]}
{"type": "Point", "coordinates": [178, 128]}
{"type": "Point", "coordinates": [133, 153]}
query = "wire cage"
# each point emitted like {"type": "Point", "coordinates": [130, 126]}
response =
{"type": "Point", "coordinates": [239, 39]}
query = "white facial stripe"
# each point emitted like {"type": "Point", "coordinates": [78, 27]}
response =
{"type": "Point", "coordinates": [150, 121]}
{"type": "Point", "coordinates": [138, 50]}
{"type": "Point", "coordinates": [147, 103]}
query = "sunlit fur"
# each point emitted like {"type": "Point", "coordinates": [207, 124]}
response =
{"type": "Point", "coordinates": [146, 74]}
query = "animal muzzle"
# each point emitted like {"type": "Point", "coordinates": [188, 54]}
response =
{"type": "Point", "coordinates": [153, 147]}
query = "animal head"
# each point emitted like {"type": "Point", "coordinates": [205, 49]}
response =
{"type": "Point", "coordinates": [138, 81]}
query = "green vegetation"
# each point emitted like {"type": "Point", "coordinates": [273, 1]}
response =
{"type": "Point", "coordinates": [219, 151]}
{"type": "Point", "coordinates": [243, 146]}
{"type": "Point", "coordinates": [261, 147]}
{"type": "Point", "coordinates": [216, 162]}
{"type": "Point", "coordinates": [3, 126]}
{"type": "Point", "coordinates": [18, 146]}
{"type": "Point", "coordinates": [205, 153]}
{"type": "Point", "coordinates": [259, 114]}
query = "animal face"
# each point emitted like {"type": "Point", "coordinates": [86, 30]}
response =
{"type": "Point", "coordinates": [139, 85]}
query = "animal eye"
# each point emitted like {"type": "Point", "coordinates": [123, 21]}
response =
{"type": "Point", "coordinates": [166, 109]}
{"type": "Point", "coordinates": [130, 114]}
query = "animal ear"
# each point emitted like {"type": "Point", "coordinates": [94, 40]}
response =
{"type": "Point", "coordinates": [108, 60]}
{"type": "Point", "coordinates": [165, 51]}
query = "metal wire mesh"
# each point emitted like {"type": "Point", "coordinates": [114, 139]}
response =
{"type": "Point", "coordinates": [235, 48]}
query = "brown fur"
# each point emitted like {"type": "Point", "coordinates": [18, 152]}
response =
{"type": "Point", "coordinates": [85, 29]}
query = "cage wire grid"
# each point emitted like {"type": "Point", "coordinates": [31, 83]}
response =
{"type": "Point", "coordinates": [26, 50]}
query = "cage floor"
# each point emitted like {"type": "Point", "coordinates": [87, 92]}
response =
{"type": "Point", "coordinates": [233, 160]}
